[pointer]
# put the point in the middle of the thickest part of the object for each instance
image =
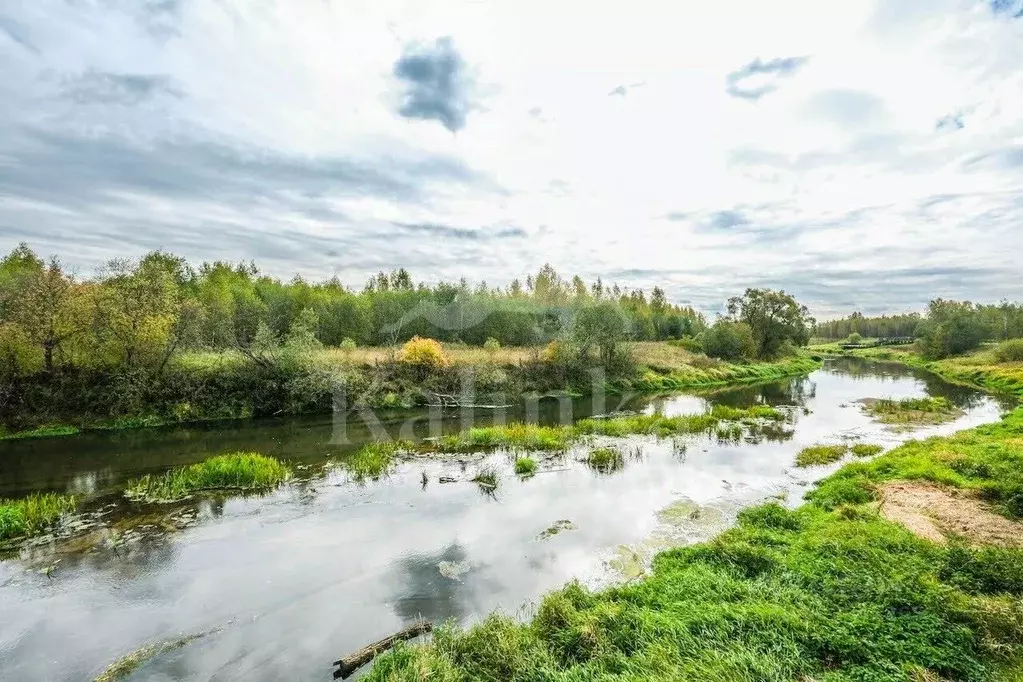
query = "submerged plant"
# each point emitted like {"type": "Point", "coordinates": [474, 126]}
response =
{"type": "Point", "coordinates": [373, 460]}
{"type": "Point", "coordinates": [237, 471]}
{"type": "Point", "coordinates": [605, 459]}
{"type": "Point", "coordinates": [820, 454]}
{"type": "Point", "coordinates": [525, 466]}
{"type": "Point", "coordinates": [486, 477]}
{"type": "Point", "coordinates": [33, 514]}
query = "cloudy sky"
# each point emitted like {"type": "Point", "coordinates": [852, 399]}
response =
{"type": "Point", "coordinates": [863, 155]}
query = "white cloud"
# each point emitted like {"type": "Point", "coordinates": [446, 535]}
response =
{"type": "Point", "coordinates": [271, 130]}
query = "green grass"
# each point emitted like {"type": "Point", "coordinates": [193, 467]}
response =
{"type": "Point", "coordinates": [820, 454]}
{"type": "Point", "coordinates": [830, 592]}
{"type": "Point", "coordinates": [912, 410]}
{"type": "Point", "coordinates": [237, 471]}
{"type": "Point", "coordinates": [866, 449]}
{"type": "Point", "coordinates": [486, 477]}
{"type": "Point", "coordinates": [605, 459]}
{"type": "Point", "coordinates": [373, 460]}
{"type": "Point", "coordinates": [716, 373]}
{"type": "Point", "coordinates": [533, 437]}
{"type": "Point", "coordinates": [51, 431]}
{"type": "Point", "coordinates": [517, 436]}
{"type": "Point", "coordinates": [525, 466]}
{"type": "Point", "coordinates": [33, 514]}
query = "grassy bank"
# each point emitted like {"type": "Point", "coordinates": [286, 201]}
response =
{"type": "Point", "coordinates": [829, 592]}
{"type": "Point", "coordinates": [229, 385]}
{"type": "Point", "coordinates": [239, 471]}
{"type": "Point", "coordinates": [33, 514]}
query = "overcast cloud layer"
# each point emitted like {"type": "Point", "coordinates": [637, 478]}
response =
{"type": "Point", "coordinates": [863, 155]}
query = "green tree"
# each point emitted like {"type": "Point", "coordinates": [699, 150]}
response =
{"type": "Point", "coordinates": [774, 317]}
{"type": "Point", "coordinates": [603, 325]}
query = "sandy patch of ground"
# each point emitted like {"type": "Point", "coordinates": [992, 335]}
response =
{"type": "Point", "coordinates": [937, 513]}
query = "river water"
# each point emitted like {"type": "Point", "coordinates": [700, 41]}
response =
{"type": "Point", "coordinates": [281, 585]}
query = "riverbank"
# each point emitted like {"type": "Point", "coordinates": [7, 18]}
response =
{"type": "Point", "coordinates": [834, 590]}
{"type": "Point", "coordinates": [978, 370]}
{"type": "Point", "coordinates": [200, 387]}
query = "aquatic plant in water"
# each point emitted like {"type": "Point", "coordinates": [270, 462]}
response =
{"type": "Point", "coordinates": [373, 460]}
{"type": "Point", "coordinates": [486, 477]}
{"type": "Point", "coordinates": [605, 459]}
{"type": "Point", "coordinates": [867, 449]}
{"type": "Point", "coordinates": [33, 514]}
{"type": "Point", "coordinates": [820, 454]}
{"type": "Point", "coordinates": [237, 471]}
{"type": "Point", "coordinates": [525, 466]}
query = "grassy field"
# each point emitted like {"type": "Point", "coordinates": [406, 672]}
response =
{"type": "Point", "coordinates": [831, 592]}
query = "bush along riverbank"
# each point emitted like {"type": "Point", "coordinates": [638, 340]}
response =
{"type": "Point", "coordinates": [231, 385]}
{"type": "Point", "coordinates": [838, 589]}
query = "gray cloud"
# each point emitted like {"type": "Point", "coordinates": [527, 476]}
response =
{"type": "Point", "coordinates": [75, 171]}
{"type": "Point", "coordinates": [1009, 8]}
{"type": "Point", "coordinates": [775, 69]}
{"type": "Point", "coordinates": [950, 122]}
{"type": "Point", "coordinates": [846, 108]}
{"type": "Point", "coordinates": [450, 232]}
{"type": "Point", "coordinates": [722, 220]}
{"type": "Point", "coordinates": [623, 90]}
{"type": "Point", "coordinates": [437, 85]}
{"type": "Point", "coordinates": [1010, 158]}
{"type": "Point", "coordinates": [117, 88]}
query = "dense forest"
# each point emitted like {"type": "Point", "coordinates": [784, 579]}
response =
{"type": "Point", "coordinates": [137, 313]}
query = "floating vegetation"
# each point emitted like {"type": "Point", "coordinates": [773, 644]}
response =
{"type": "Point", "coordinates": [517, 436]}
{"type": "Point", "coordinates": [747, 414]}
{"type": "Point", "coordinates": [729, 433]}
{"type": "Point", "coordinates": [525, 466]}
{"type": "Point", "coordinates": [33, 514]}
{"type": "Point", "coordinates": [559, 526]}
{"type": "Point", "coordinates": [374, 459]}
{"type": "Point", "coordinates": [126, 665]}
{"type": "Point", "coordinates": [453, 570]}
{"type": "Point", "coordinates": [821, 454]}
{"type": "Point", "coordinates": [486, 477]}
{"type": "Point", "coordinates": [605, 459]}
{"type": "Point", "coordinates": [238, 471]}
{"type": "Point", "coordinates": [910, 412]}
{"type": "Point", "coordinates": [867, 449]}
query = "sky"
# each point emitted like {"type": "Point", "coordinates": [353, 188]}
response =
{"type": "Point", "coordinates": [860, 155]}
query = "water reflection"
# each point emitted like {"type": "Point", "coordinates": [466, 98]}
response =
{"type": "Point", "coordinates": [315, 570]}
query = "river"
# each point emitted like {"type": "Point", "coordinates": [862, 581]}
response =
{"type": "Point", "coordinates": [283, 584]}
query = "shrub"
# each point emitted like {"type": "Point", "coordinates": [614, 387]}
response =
{"type": "Point", "coordinates": [491, 345]}
{"type": "Point", "coordinates": [1009, 351]}
{"type": "Point", "coordinates": [689, 343]}
{"type": "Point", "coordinates": [728, 341]}
{"type": "Point", "coordinates": [348, 345]}
{"type": "Point", "coordinates": [423, 353]}
{"type": "Point", "coordinates": [854, 338]}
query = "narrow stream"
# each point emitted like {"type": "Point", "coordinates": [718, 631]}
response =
{"type": "Point", "coordinates": [286, 583]}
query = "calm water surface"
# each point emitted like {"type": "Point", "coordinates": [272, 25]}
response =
{"type": "Point", "coordinates": [288, 582]}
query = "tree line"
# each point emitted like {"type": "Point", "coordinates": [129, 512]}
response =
{"type": "Point", "coordinates": [947, 328]}
{"type": "Point", "coordinates": [139, 313]}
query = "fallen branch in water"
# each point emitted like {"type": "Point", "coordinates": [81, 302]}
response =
{"type": "Point", "coordinates": [352, 662]}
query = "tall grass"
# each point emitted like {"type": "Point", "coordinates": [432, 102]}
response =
{"type": "Point", "coordinates": [33, 514]}
{"type": "Point", "coordinates": [373, 460]}
{"type": "Point", "coordinates": [237, 471]}
{"type": "Point", "coordinates": [525, 466]}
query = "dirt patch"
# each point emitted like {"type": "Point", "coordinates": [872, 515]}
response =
{"type": "Point", "coordinates": [937, 513]}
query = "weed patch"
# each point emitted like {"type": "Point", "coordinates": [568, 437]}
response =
{"type": "Point", "coordinates": [239, 471]}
